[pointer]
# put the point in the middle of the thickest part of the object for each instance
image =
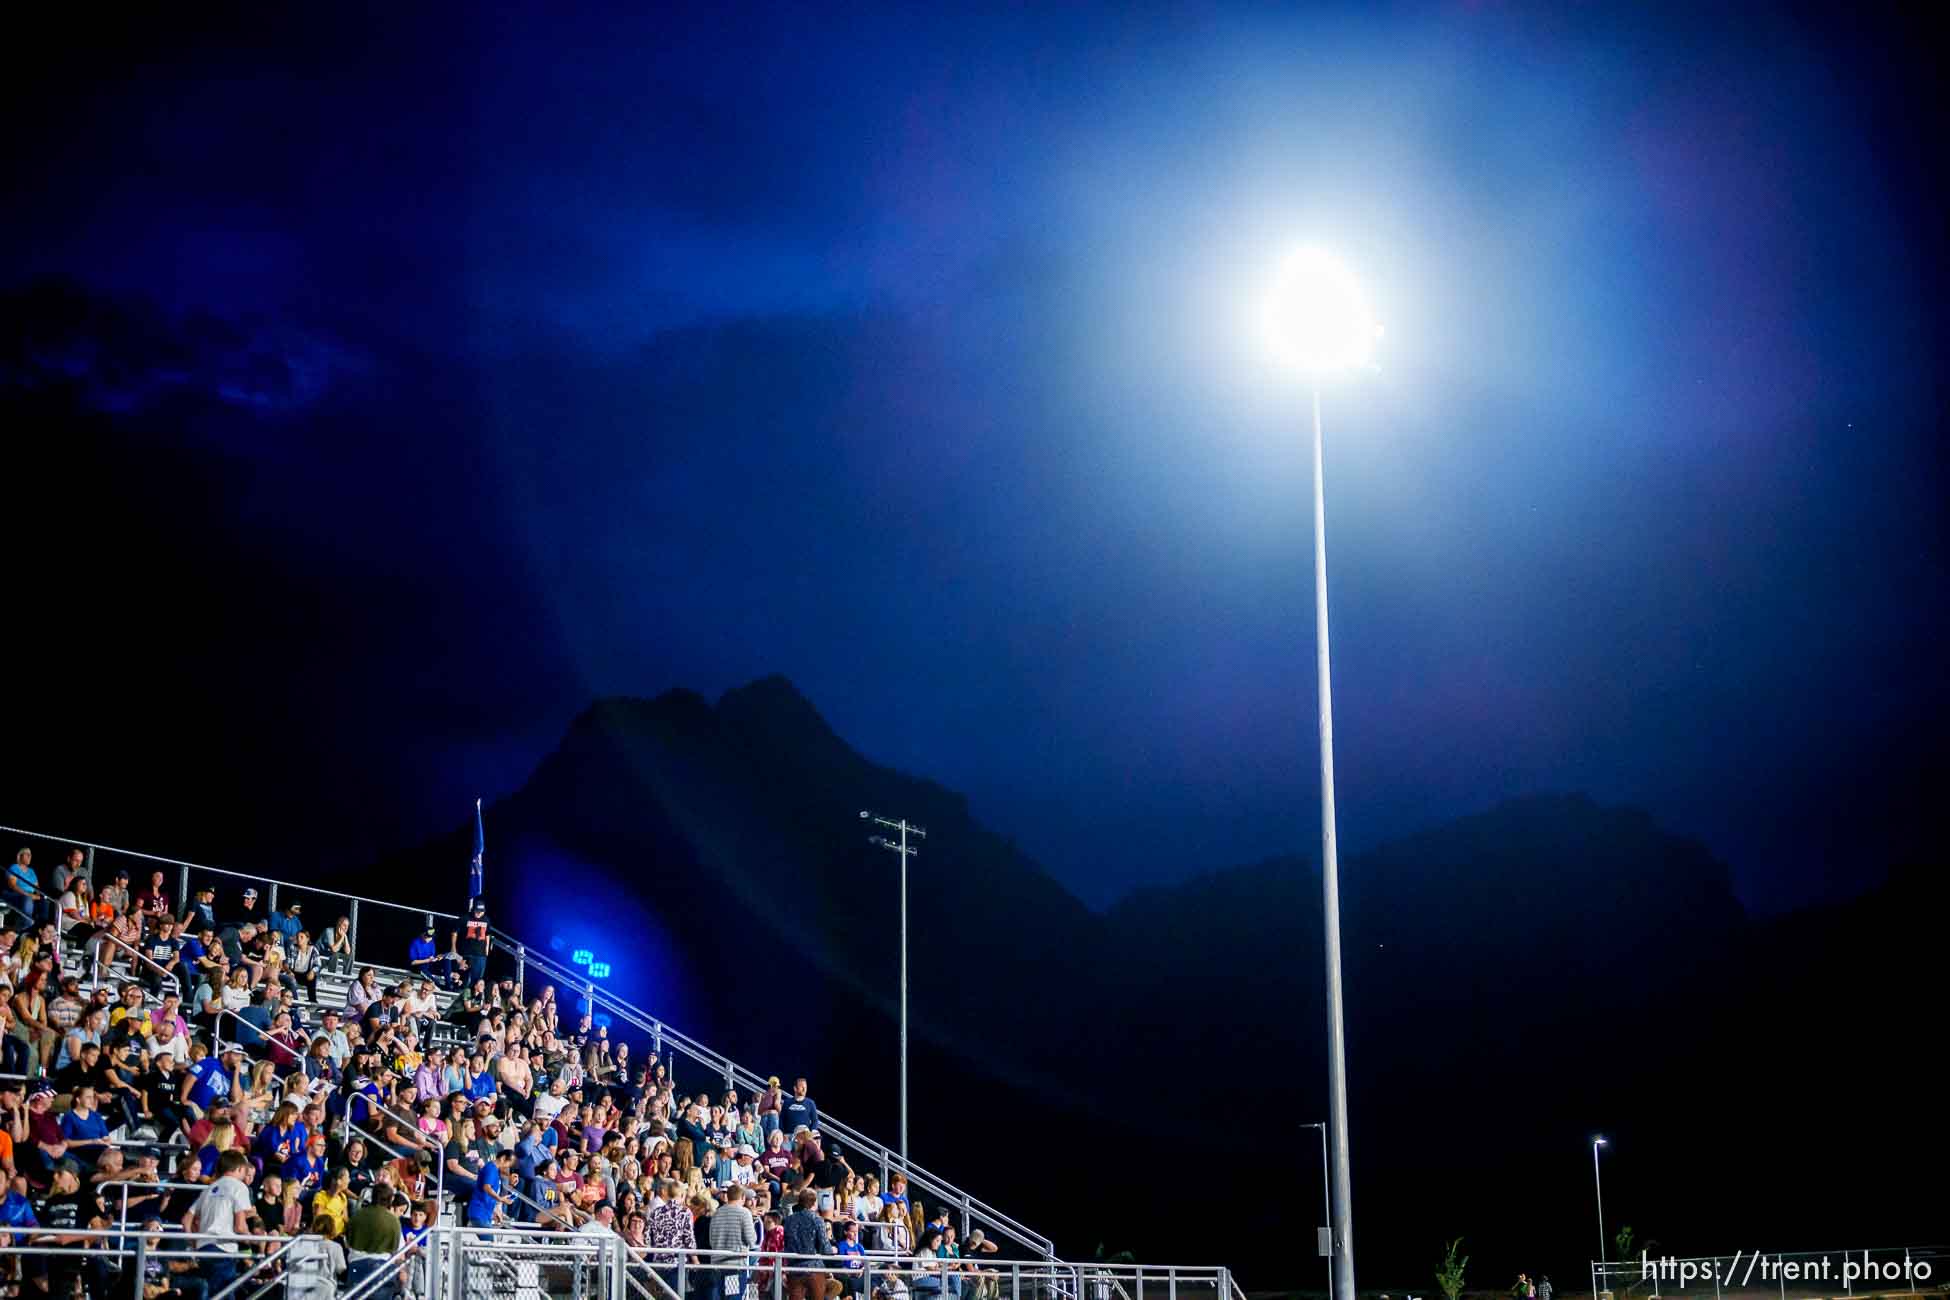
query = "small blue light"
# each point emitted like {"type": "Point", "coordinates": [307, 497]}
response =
{"type": "Point", "coordinates": [582, 956]}
{"type": "Point", "coordinates": [598, 970]}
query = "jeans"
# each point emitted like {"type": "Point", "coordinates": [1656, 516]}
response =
{"type": "Point", "coordinates": [360, 1269]}
{"type": "Point", "coordinates": [219, 1267]}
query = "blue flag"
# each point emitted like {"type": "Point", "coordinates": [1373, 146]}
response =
{"type": "Point", "coordinates": [480, 847]}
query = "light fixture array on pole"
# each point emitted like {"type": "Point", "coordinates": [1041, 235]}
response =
{"type": "Point", "coordinates": [905, 829]}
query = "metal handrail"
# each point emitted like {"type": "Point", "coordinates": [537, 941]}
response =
{"type": "Point", "coordinates": [735, 1073]}
{"type": "Point", "coordinates": [170, 978]}
{"type": "Point", "coordinates": [225, 871]}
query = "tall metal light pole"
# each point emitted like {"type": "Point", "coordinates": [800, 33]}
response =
{"type": "Point", "coordinates": [1319, 321]}
{"type": "Point", "coordinates": [1330, 871]}
{"type": "Point", "coordinates": [905, 828]}
{"type": "Point", "coordinates": [1598, 1185]}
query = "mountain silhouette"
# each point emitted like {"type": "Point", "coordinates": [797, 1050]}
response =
{"type": "Point", "coordinates": [1515, 982]}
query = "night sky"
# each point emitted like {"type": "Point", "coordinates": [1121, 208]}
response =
{"type": "Point", "coordinates": [449, 368]}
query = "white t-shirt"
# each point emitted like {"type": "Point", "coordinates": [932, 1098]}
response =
{"type": "Point", "coordinates": [217, 1209]}
{"type": "Point", "coordinates": [548, 1106]}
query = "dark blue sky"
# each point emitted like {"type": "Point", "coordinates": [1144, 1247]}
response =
{"type": "Point", "coordinates": [909, 353]}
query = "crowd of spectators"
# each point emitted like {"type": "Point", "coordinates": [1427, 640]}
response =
{"type": "Point", "coordinates": [253, 1111]}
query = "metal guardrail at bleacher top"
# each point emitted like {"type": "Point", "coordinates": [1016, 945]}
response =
{"type": "Point", "coordinates": [395, 930]}
{"type": "Point", "coordinates": [396, 923]}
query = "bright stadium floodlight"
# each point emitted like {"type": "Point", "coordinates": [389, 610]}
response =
{"type": "Point", "coordinates": [1317, 318]}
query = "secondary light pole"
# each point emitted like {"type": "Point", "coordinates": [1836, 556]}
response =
{"type": "Point", "coordinates": [1598, 1186]}
{"type": "Point", "coordinates": [1318, 318]}
{"type": "Point", "coordinates": [905, 828]}
{"type": "Point", "coordinates": [1326, 1205]}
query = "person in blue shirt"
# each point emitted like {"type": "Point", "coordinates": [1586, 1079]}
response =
{"type": "Point", "coordinates": [24, 885]}
{"type": "Point", "coordinates": [853, 1257]}
{"type": "Point", "coordinates": [423, 957]}
{"type": "Point", "coordinates": [215, 1078]}
{"type": "Point", "coordinates": [253, 1023]}
{"type": "Point", "coordinates": [287, 923]}
{"type": "Point", "coordinates": [307, 1168]}
{"type": "Point", "coordinates": [16, 1211]}
{"type": "Point", "coordinates": [281, 1140]}
{"type": "Point", "coordinates": [799, 1111]}
{"type": "Point", "coordinates": [84, 1128]}
{"type": "Point", "coordinates": [482, 1083]}
{"type": "Point", "coordinates": [488, 1194]}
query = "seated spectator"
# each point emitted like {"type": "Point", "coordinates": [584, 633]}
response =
{"type": "Point", "coordinates": [853, 1259]}
{"type": "Point", "coordinates": [423, 956]}
{"type": "Point", "coordinates": [83, 1127]}
{"type": "Point", "coordinates": [116, 893]}
{"type": "Point", "coordinates": [289, 923]}
{"type": "Point", "coordinates": [337, 941]}
{"type": "Point", "coordinates": [363, 993]}
{"type": "Point", "coordinates": [164, 967]}
{"type": "Point", "coordinates": [213, 1080]}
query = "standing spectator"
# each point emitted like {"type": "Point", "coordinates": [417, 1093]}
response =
{"type": "Point", "coordinates": [733, 1229]}
{"type": "Point", "coordinates": [475, 943]}
{"type": "Point", "coordinates": [223, 1211]}
{"type": "Point", "coordinates": [247, 913]}
{"type": "Point", "coordinates": [370, 1240]}
{"type": "Point", "coordinates": [671, 1231]}
{"type": "Point", "coordinates": [489, 1196]}
{"type": "Point", "coordinates": [30, 1014]}
{"type": "Point", "coordinates": [201, 912]}
{"type": "Point", "coordinates": [799, 1112]}
{"type": "Point", "coordinates": [24, 885]}
{"type": "Point", "coordinates": [153, 900]}
{"type": "Point", "coordinates": [769, 1103]}
{"type": "Point", "coordinates": [805, 1234]}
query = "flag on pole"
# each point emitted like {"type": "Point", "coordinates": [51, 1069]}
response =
{"type": "Point", "coordinates": [480, 847]}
